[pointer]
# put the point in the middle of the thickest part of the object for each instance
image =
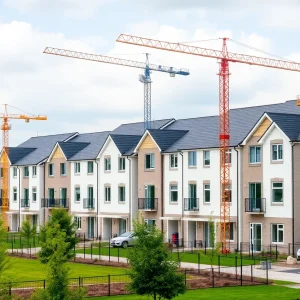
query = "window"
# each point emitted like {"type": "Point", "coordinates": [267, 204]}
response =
{"type": "Point", "coordinates": [26, 172]}
{"type": "Point", "coordinates": [228, 156]}
{"type": "Point", "coordinates": [254, 155]}
{"type": "Point", "coordinates": [34, 171]}
{"type": "Point", "coordinates": [63, 170]}
{"type": "Point", "coordinates": [174, 193]}
{"type": "Point", "coordinates": [90, 167]}
{"type": "Point", "coordinates": [192, 159]}
{"type": "Point", "coordinates": [107, 165]}
{"type": "Point", "coordinates": [34, 194]}
{"type": "Point", "coordinates": [121, 163]}
{"type": "Point", "coordinates": [228, 193]}
{"type": "Point", "coordinates": [149, 161]}
{"type": "Point", "coordinates": [77, 221]}
{"type": "Point", "coordinates": [51, 169]}
{"type": "Point", "coordinates": [277, 152]}
{"type": "Point", "coordinates": [173, 160]}
{"type": "Point", "coordinates": [77, 168]}
{"type": "Point", "coordinates": [121, 193]}
{"type": "Point", "coordinates": [150, 222]}
{"type": "Point", "coordinates": [107, 193]}
{"type": "Point", "coordinates": [206, 158]}
{"type": "Point", "coordinates": [206, 193]}
{"type": "Point", "coordinates": [77, 193]}
{"type": "Point", "coordinates": [15, 171]}
{"type": "Point", "coordinates": [15, 192]}
{"type": "Point", "coordinates": [277, 192]}
{"type": "Point", "coordinates": [277, 233]}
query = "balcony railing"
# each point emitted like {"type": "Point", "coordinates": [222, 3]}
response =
{"type": "Point", "coordinates": [255, 205]}
{"type": "Point", "coordinates": [191, 204]}
{"type": "Point", "coordinates": [89, 203]}
{"type": "Point", "coordinates": [147, 204]}
{"type": "Point", "coordinates": [51, 202]}
{"type": "Point", "coordinates": [25, 203]}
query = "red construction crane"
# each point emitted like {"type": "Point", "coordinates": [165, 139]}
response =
{"type": "Point", "coordinates": [224, 131]}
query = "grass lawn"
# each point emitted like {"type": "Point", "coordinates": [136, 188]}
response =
{"type": "Point", "coordinates": [232, 293]}
{"type": "Point", "coordinates": [32, 269]}
{"type": "Point", "coordinates": [183, 256]}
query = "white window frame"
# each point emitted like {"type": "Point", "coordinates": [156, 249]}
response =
{"type": "Point", "coordinates": [107, 164]}
{"type": "Point", "coordinates": [77, 220]}
{"type": "Point", "coordinates": [76, 193]}
{"type": "Point", "coordinates": [77, 168]}
{"type": "Point", "coordinates": [205, 189]}
{"type": "Point", "coordinates": [255, 155]}
{"type": "Point", "coordinates": [49, 167]}
{"type": "Point", "coordinates": [206, 161]}
{"type": "Point", "coordinates": [60, 169]}
{"type": "Point", "coordinates": [106, 194]}
{"type": "Point", "coordinates": [192, 158]}
{"type": "Point", "coordinates": [34, 193]}
{"type": "Point", "coordinates": [26, 175]}
{"type": "Point", "coordinates": [152, 160]}
{"type": "Point", "coordinates": [90, 163]}
{"type": "Point", "coordinates": [174, 161]}
{"type": "Point", "coordinates": [121, 193]}
{"type": "Point", "coordinates": [277, 152]}
{"type": "Point", "coordinates": [277, 188]}
{"type": "Point", "coordinates": [122, 164]}
{"type": "Point", "coordinates": [173, 189]}
{"type": "Point", "coordinates": [15, 172]}
{"type": "Point", "coordinates": [228, 156]}
{"type": "Point", "coordinates": [278, 229]}
{"type": "Point", "coordinates": [15, 193]}
{"type": "Point", "coordinates": [34, 171]}
{"type": "Point", "coordinates": [147, 221]}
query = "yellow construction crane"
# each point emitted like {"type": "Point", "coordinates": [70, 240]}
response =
{"type": "Point", "coordinates": [5, 127]}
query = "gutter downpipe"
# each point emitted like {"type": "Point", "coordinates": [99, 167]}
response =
{"type": "Point", "coordinates": [182, 211]}
{"type": "Point", "coordinates": [162, 193]}
{"type": "Point", "coordinates": [293, 203]}
{"type": "Point", "coordinates": [237, 198]}
{"type": "Point", "coordinates": [130, 196]}
{"type": "Point", "coordinates": [19, 221]}
{"type": "Point", "coordinates": [97, 186]}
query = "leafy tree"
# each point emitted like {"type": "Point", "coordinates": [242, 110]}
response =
{"type": "Point", "coordinates": [66, 224]}
{"type": "Point", "coordinates": [28, 230]}
{"type": "Point", "coordinates": [153, 272]}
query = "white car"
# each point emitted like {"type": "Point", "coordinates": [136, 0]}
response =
{"type": "Point", "coordinates": [124, 240]}
{"type": "Point", "coordinates": [298, 254]}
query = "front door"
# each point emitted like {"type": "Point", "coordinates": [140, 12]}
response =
{"type": "Point", "coordinates": [122, 226]}
{"type": "Point", "coordinates": [149, 195]}
{"type": "Point", "coordinates": [255, 236]}
{"type": "Point", "coordinates": [91, 223]}
{"type": "Point", "coordinates": [206, 235]}
{"type": "Point", "coordinates": [255, 196]}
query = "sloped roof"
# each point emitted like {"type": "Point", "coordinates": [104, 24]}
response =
{"type": "Point", "coordinates": [70, 148]}
{"type": "Point", "coordinates": [138, 128]}
{"type": "Point", "coordinates": [16, 153]}
{"type": "Point", "coordinates": [288, 123]}
{"type": "Point", "coordinates": [125, 143]}
{"type": "Point", "coordinates": [204, 131]}
{"type": "Point", "coordinates": [44, 145]}
{"type": "Point", "coordinates": [96, 140]}
{"type": "Point", "coordinates": [166, 138]}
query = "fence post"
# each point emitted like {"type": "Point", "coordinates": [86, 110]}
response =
{"type": "Point", "coordinates": [267, 271]}
{"type": "Point", "coordinates": [236, 267]}
{"type": "Point", "coordinates": [79, 281]}
{"type": "Point", "coordinates": [44, 283]}
{"type": "Point", "coordinates": [222, 247]}
{"type": "Point", "coordinates": [178, 257]}
{"type": "Point", "coordinates": [108, 285]}
{"type": "Point", "coordinates": [84, 250]}
{"type": "Point", "coordinates": [109, 251]}
{"type": "Point", "coordinates": [91, 251]}
{"type": "Point", "coordinates": [22, 249]}
{"type": "Point", "coordinates": [198, 263]}
{"type": "Point", "coordinates": [185, 277]}
{"type": "Point", "coordinates": [205, 247]}
{"type": "Point", "coordinates": [9, 289]}
{"type": "Point", "coordinates": [99, 245]}
{"type": "Point", "coordinates": [74, 253]}
{"type": "Point", "coordinates": [252, 250]}
{"type": "Point", "coordinates": [249, 250]}
{"type": "Point", "coordinates": [241, 271]}
{"type": "Point", "coordinates": [252, 272]}
{"type": "Point", "coordinates": [219, 264]}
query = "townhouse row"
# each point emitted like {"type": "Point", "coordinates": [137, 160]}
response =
{"type": "Point", "coordinates": [170, 175]}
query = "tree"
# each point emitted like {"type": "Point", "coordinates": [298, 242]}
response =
{"type": "Point", "coordinates": [5, 261]}
{"type": "Point", "coordinates": [153, 272]}
{"type": "Point", "coordinates": [66, 224]}
{"type": "Point", "coordinates": [28, 230]}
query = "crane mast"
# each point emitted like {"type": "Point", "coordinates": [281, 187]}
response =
{"type": "Point", "coordinates": [224, 122]}
{"type": "Point", "coordinates": [144, 78]}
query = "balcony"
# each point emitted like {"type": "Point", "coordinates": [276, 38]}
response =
{"type": "Point", "coordinates": [255, 205]}
{"type": "Point", "coordinates": [25, 203]}
{"type": "Point", "coordinates": [51, 203]}
{"type": "Point", "coordinates": [89, 203]}
{"type": "Point", "coordinates": [191, 204]}
{"type": "Point", "coordinates": [148, 204]}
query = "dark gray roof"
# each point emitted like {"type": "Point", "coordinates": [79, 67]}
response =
{"type": "Point", "coordinates": [288, 123]}
{"type": "Point", "coordinates": [95, 140]}
{"type": "Point", "coordinates": [125, 143]}
{"type": "Point", "coordinates": [70, 148]}
{"type": "Point", "coordinates": [44, 145]}
{"type": "Point", "coordinates": [166, 138]}
{"type": "Point", "coordinates": [138, 128]}
{"type": "Point", "coordinates": [204, 131]}
{"type": "Point", "coordinates": [16, 153]}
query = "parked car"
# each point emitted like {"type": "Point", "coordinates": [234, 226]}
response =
{"type": "Point", "coordinates": [124, 240]}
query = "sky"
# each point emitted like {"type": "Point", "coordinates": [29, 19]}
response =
{"type": "Point", "coordinates": [82, 96]}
